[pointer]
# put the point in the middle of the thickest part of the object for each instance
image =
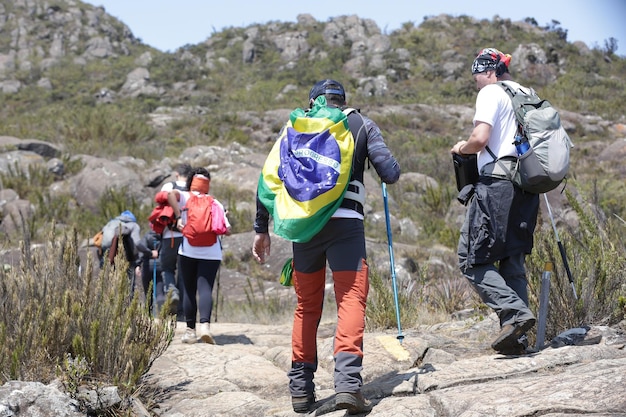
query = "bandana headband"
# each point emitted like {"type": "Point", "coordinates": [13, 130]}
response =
{"type": "Point", "coordinates": [200, 183]}
{"type": "Point", "coordinates": [488, 59]}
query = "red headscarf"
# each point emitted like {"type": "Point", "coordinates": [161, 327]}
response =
{"type": "Point", "coordinates": [200, 183]}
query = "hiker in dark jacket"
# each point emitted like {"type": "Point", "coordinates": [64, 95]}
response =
{"type": "Point", "coordinates": [500, 218]}
{"type": "Point", "coordinates": [126, 226]}
{"type": "Point", "coordinates": [341, 243]}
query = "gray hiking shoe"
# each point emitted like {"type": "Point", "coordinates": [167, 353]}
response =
{"type": "Point", "coordinates": [303, 404]}
{"type": "Point", "coordinates": [353, 402]}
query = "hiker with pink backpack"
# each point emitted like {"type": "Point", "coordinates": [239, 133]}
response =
{"type": "Point", "coordinates": [201, 219]}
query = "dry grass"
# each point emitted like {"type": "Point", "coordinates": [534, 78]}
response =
{"type": "Point", "coordinates": [596, 253]}
{"type": "Point", "coordinates": [62, 319]}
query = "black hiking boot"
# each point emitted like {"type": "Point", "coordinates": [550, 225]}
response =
{"type": "Point", "coordinates": [355, 402]}
{"type": "Point", "coordinates": [303, 404]}
{"type": "Point", "coordinates": [513, 350]}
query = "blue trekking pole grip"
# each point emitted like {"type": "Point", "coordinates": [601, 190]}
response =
{"type": "Point", "coordinates": [392, 262]}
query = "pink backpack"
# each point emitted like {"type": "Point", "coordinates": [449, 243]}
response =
{"type": "Point", "coordinates": [205, 220]}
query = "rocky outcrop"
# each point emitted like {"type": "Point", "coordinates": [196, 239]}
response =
{"type": "Point", "coordinates": [532, 61]}
{"type": "Point", "coordinates": [44, 33]}
{"type": "Point", "coordinates": [446, 369]}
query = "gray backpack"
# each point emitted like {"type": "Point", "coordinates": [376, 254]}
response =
{"type": "Point", "coordinates": [546, 163]}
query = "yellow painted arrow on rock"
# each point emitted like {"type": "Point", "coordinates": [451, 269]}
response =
{"type": "Point", "coordinates": [393, 346]}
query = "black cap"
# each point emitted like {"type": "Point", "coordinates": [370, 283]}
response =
{"type": "Point", "coordinates": [327, 87]}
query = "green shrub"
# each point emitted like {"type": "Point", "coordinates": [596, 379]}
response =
{"type": "Point", "coordinates": [121, 127]}
{"type": "Point", "coordinates": [26, 181]}
{"type": "Point", "coordinates": [596, 254]}
{"type": "Point", "coordinates": [384, 304]}
{"type": "Point", "coordinates": [48, 330]}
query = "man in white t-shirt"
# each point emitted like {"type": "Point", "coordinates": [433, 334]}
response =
{"type": "Point", "coordinates": [171, 240]}
{"type": "Point", "coordinates": [501, 218]}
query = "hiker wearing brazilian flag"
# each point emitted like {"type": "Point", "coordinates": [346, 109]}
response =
{"type": "Point", "coordinates": [312, 188]}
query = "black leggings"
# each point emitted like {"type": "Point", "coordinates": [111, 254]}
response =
{"type": "Point", "coordinates": [199, 277]}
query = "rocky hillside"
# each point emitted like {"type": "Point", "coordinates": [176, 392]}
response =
{"type": "Point", "coordinates": [92, 120]}
{"type": "Point", "coordinates": [39, 35]}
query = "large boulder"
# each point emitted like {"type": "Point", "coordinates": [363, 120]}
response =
{"type": "Point", "coordinates": [100, 175]}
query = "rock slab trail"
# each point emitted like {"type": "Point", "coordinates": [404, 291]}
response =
{"type": "Point", "coordinates": [436, 371]}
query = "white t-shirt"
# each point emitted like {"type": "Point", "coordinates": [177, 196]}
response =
{"type": "Point", "coordinates": [213, 252]}
{"type": "Point", "coordinates": [168, 186]}
{"type": "Point", "coordinates": [493, 106]}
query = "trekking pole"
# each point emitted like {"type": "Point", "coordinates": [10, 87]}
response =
{"type": "Point", "coordinates": [400, 336]}
{"type": "Point", "coordinates": [561, 248]}
{"type": "Point", "coordinates": [544, 301]}
{"type": "Point", "coordinates": [217, 283]}
{"type": "Point", "coordinates": [154, 284]}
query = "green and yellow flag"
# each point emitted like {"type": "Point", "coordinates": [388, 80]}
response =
{"type": "Point", "coordinates": [307, 172]}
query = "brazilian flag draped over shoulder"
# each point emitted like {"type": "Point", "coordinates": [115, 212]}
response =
{"type": "Point", "coordinates": [307, 172]}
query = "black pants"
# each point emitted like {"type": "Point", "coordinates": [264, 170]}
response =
{"type": "Point", "coordinates": [199, 277]}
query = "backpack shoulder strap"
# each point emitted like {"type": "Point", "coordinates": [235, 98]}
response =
{"type": "Point", "coordinates": [361, 131]}
{"type": "Point", "coordinates": [360, 123]}
{"type": "Point", "coordinates": [175, 186]}
{"type": "Point", "coordinates": [507, 89]}
{"type": "Point", "coordinates": [355, 194]}
{"type": "Point", "coordinates": [511, 93]}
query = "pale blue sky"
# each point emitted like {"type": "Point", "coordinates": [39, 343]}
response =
{"type": "Point", "coordinates": [170, 24]}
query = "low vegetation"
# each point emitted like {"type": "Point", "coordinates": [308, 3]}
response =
{"type": "Point", "coordinates": [64, 319]}
{"type": "Point", "coordinates": [595, 251]}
